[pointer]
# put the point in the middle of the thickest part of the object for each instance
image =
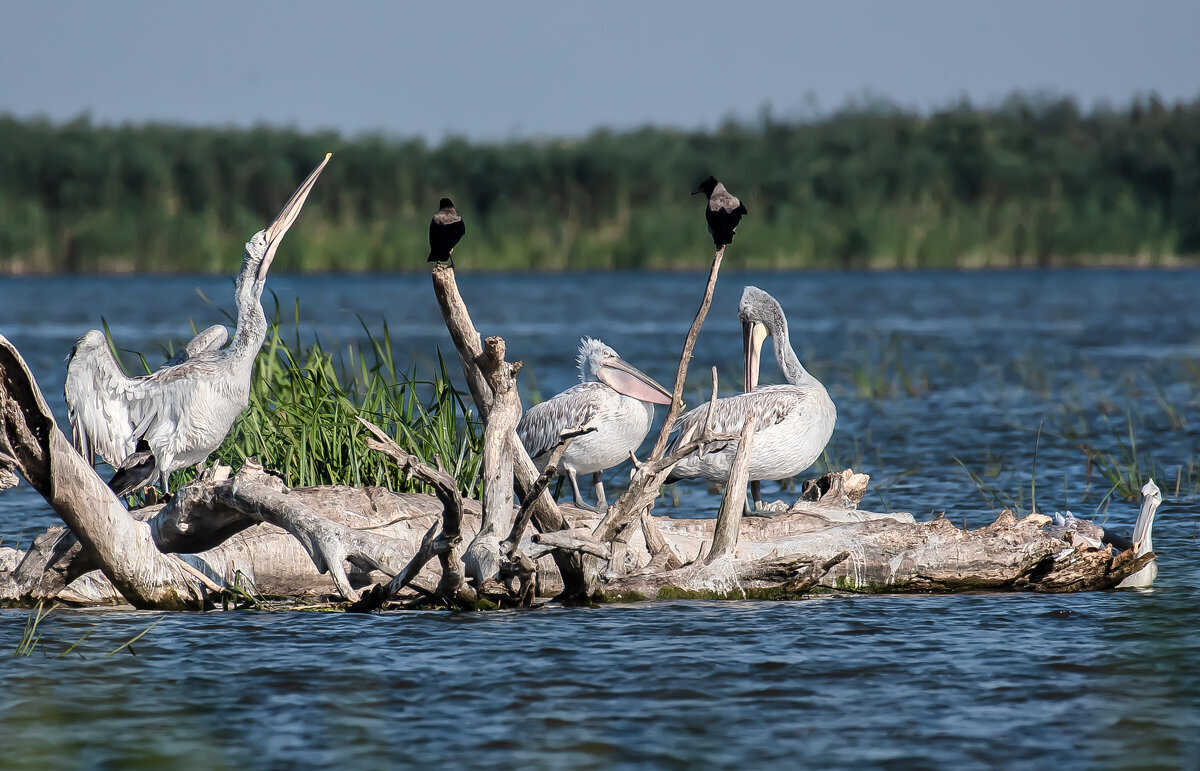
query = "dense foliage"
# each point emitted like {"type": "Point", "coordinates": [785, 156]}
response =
{"type": "Point", "coordinates": [1033, 181]}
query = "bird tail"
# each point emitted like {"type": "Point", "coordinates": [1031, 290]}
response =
{"type": "Point", "coordinates": [134, 473]}
{"type": "Point", "coordinates": [437, 256]}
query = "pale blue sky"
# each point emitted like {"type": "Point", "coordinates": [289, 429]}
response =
{"type": "Point", "coordinates": [515, 68]}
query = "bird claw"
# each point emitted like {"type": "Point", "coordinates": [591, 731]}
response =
{"type": "Point", "coordinates": [766, 510]}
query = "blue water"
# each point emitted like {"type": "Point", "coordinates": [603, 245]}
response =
{"type": "Point", "coordinates": [925, 368]}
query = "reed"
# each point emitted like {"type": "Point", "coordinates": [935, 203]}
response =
{"type": "Point", "coordinates": [31, 636]}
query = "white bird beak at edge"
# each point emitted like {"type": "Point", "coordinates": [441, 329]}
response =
{"type": "Point", "coordinates": [287, 215]}
{"type": "Point", "coordinates": [626, 379]}
{"type": "Point", "coordinates": [753, 335]}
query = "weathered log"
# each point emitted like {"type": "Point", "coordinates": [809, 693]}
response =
{"type": "Point", "coordinates": [261, 497]}
{"type": "Point", "coordinates": [888, 552]}
{"type": "Point", "coordinates": [728, 578]}
{"type": "Point", "coordinates": [31, 444]}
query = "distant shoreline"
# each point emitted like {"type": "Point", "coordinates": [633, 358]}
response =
{"type": "Point", "coordinates": [1034, 181]}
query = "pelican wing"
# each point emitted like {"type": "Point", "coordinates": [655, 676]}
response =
{"type": "Point", "coordinates": [1083, 530]}
{"type": "Point", "coordinates": [109, 411]}
{"type": "Point", "coordinates": [770, 405]}
{"type": "Point", "coordinates": [102, 401]}
{"type": "Point", "coordinates": [210, 339]}
{"type": "Point", "coordinates": [543, 424]}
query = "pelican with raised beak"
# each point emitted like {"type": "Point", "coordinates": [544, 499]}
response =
{"type": "Point", "coordinates": [180, 413]}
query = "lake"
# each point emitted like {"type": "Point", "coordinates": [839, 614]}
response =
{"type": "Point", "coordinates": [934, 374]}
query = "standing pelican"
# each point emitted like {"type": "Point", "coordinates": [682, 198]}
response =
{"type": "Point", "coordinates": [615, 397]}
{"type": "Point", "coordinates": [1151, 498]}
{"type": "Point", "coordinates": [181, 412]}
{"type": "Point", "coordinates": [793, 422]}
{"type": "Point", "coordinates": [446, 229]}
{"type": "Point", "coordinates": [723, 212]}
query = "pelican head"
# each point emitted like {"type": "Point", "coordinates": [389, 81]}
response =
{"type": "Point", "coordinates": [599, 362]}
{"type": "Point", "coordinates": [707, 186]}
{"type": "Point", "coordinates": [261, 248]}
{"type": "Point", "coordinates": [1151, 499]}
{"type": "Point", "coordinates": [761, 317]}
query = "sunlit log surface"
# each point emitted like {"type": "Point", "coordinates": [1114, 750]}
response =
{"type": "Point", "coordinates": [883, 552]}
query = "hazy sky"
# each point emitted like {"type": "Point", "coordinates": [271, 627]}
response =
{"type": "Point", "coordinates": [515, 68]}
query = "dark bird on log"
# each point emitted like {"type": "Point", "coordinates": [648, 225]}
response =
{"type": "Point", "coordinates": [723, 212]}
{"type": "Point", "coordinates": [446, 229]}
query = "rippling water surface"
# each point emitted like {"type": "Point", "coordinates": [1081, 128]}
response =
{"type": "Point", "coordinates": [925, 368]}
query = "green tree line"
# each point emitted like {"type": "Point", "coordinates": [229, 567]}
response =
{"type": "Point", "coordinates": [1033, 180]}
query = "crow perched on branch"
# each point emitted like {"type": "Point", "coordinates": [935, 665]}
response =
{"type": "Point", "coordinates": [723, 212]}
{"type": "Point", "coordinates": [445, 230]}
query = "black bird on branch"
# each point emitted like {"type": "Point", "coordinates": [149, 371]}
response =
{"type": "Point", "coordinates": [445, 230]}
{"type": "Point", "coordinates": [723, 212]}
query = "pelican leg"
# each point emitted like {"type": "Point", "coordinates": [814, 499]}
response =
{"type": "Point", "coordinates": [575, 488]}
{"type": "Point", "coordinates": [756, 493]}
{"type": "Point", "coordinates": [598, 486]}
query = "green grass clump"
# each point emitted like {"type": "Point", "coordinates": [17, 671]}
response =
{"type": "Point", "coordinates": [304, 403]}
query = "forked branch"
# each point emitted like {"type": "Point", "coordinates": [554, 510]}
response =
{"type": "Point", "coordinates": [451, 588]}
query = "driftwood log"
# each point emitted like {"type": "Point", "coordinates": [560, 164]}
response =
{"type": "Point", "coordinates": [813, 545]}
{"type": "Point", "coordinates": [248, 534]}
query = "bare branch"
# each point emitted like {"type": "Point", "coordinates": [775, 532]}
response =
{"type": "Point", "coordinates": [689, 343]}
{"type": "Point", "coordinates": [539, 486]}
{"type": "Point", "coordinates": [577, 539]}
{"type": "Point", "coordinates": [545, 513]}
{"type": "Point", "coordinates": [650, 475]}
{"type": "Point", "coordinates": [729, 518]}
{"type": "Point", "coordinates": [451, 588]}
